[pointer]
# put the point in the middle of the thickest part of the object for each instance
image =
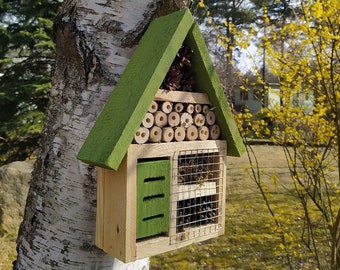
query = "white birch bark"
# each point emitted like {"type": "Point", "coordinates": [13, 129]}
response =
{"type": "Point", "coordinates": [95, 40]}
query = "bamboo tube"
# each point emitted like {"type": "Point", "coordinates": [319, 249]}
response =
{"type": "Point", "coordinates": [153, 107]}
{"type": "Point", "coordinates": [179, 134]}
{"type": "Point", "coordinates": [167, 134]}
{"type": "Point", "coordinates": [142, 135]}
{"type": "Point", "coordinates": [203, 133]}
{"type": "Point", "coordinates": [214, 132]}
{"type": "Point", "coordinates": [186, 120]}
{"type": "Point", "coordinates": [166, 107]}
{"type": "Point", "coordinates": [161, 119]}
{"type": "Point", "coordinates": [210, 118]}
{"type": "Point", "coordinates": [205, 109]}
{"type": "Point", "coordinates": [155, 134]}
{"type": "Point", "coordinates": [199, 120]}
{"type": "Point", "coordinates": [198, 108]}
{"type": "Point", "coordinates": [179, 107]}
{"type": "Point", "coordinates": [148, 120]}
{"type": "Point", "coordinates": [190, 108]}
{"type": "Point", "coordinates": [173, 119]}
{"type": "Point", "coordinates": [191, 133]}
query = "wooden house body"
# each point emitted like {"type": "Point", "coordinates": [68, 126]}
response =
{"type": "Point", "coordinates": [161, 154]}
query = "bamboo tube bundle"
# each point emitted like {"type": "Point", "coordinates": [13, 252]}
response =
{"type": "Point", "coordinates": [153, 107]}
{"type": "Point", "coordinates": [167, 134]}
{"type": "Point", "coordinates": [179, 107]}
{"type": "Point", "coordinates": [173, 119]}
{"type": "Point", "coordinates": [142, 135]}
{"type": "Point", "coordinates": [179, 134]}
{"type": "Point", "coordinates": [210, 118]}
{"type": "Point", "coordinates": [186, 120]}
{"type": "Point", "coordinates": [190, 108]}
{"type": "Point", "coordinates": [203, 133]}
{"type": "Point", "coordinates": [161, 119]}
{"type": "Point", "coordinates": [199, 120]}
{"type": "Point", "coordinates": [191, 133]}
{"type": "Point", "coordinates": [155, 134]}
{"type": "Point", "coordinates": [148, 120]}
{"type": "Point", "coordinates": [168, 121]}
{"type": "Point", "coordinates": [214, 132]}
{"type": "Point", "coordinates": [166, 107]}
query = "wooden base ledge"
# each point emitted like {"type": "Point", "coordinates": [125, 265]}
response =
{"type": "Point", "coordinates": [159, 245]}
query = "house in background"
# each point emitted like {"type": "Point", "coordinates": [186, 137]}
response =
{"type": "Point", "coordinates": [254, 98]}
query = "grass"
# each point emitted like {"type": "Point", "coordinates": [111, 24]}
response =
{"type": "Point", "coordinates": [7, 250]}
{"type": "Point", "coordinates": [248, 242]}
{"type": "Point", "coordinates": [251, 240]}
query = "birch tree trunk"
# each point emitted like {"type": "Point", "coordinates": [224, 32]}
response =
{"type": "Point", "coordinates": [95, 40]}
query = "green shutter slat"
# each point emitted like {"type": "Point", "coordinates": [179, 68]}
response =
{"type": "Point", "coordinates": [153, 198]}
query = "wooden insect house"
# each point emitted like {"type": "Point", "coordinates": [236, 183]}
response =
{"type": "Point", "coordinates": [160, 145]}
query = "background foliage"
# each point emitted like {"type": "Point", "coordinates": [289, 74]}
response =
{"type": "Point", "coordinates": [26, 66]}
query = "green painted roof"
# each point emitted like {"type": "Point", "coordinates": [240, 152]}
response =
{"type": "Point", "coordinates": [126, 107]}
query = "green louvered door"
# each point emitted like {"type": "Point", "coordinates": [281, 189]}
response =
{"type": "Point", "coordinates": [153, 197]}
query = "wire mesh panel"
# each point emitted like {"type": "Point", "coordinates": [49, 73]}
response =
{"type": "Point", "coordinates": [197, 190]}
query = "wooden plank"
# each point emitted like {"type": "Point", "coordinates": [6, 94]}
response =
{"type": "Point", "coordinates": [173, 195]}
{"type": "Point", "coordinates": [117, 217]}
{"type": "Point", "coordinates": [182, 96]}
{"type": "Point", "coordinates": [115, 127]}
{"type": "Point", "coordinates": [100, 208]}
{"type": "Point", "coordinates": [168, 149]}
{"type": "Point", "coordinates": [222, 187]}
{"type": "Point", "coordinates": [208, 82]}
{"type": "Point", "coordinates": [196, 190]}
{"type": "Point", "coordinates": [160, 245]}
{"type": "Point", "coordinates": [131, 206]}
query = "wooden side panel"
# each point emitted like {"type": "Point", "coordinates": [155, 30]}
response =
{"type": "Point", "coordinates": [116, 210]}
{"type": "Point", "coordinates": [100, 208]}
{"type": "Point", "coordinates": [208, 82]}
{"type": "Point", "coordinates": [115, 127]}
{"type": "Point", "coordinates": [223, 193]}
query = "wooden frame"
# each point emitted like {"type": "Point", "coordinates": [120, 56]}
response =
{"type": "Point", "coordinates": [116, 204]}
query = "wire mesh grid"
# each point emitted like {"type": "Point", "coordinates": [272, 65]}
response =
{"type": "Point", "coordinates": [197, 193]}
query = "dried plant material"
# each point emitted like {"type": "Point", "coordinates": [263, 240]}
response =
{"type": "Point", "coordinates": [179, 76]}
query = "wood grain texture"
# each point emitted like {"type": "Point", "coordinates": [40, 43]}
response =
{"type": "Point", "coordinates": [114, 221]}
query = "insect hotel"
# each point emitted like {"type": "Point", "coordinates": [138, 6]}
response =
{"type": "Point", "coordinates": [160, 145]}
